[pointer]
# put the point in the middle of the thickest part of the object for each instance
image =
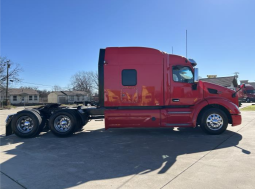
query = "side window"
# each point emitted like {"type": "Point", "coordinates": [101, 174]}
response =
{"type": "Point", "coordinates": [14, 98]}
{"type": "Point", "coordinates": [71, 98]}
{"type": "Point", "coordinates": [129, 77]}
{"type": "Point", "coordinates": [182, 74]}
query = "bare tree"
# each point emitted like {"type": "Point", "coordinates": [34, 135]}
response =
{"type": "Point", "coordinates": [56, 88]}
{"type": "Point", "coordinates": [28, 87]}
{"type": "Point", "coordinates": [94, 80]}
{"type": "Point", "coordinates": [13, 75]}
{"type": "Point", "coordinates": [43, 95]}
{"type": "Point", "coordinates": [82, 81]}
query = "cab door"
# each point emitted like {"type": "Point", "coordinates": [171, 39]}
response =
{"type": "Point", "coordinates": [184, 94]}
{"type": "Point", "coordinates": [183, 90]}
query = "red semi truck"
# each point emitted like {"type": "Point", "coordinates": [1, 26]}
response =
{"type": "Point", "coordinates": [140, 87]}
{"type": "Point", "coordinates": [248, 93]}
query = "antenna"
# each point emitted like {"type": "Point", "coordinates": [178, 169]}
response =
{"type": "Point", "coordinates": [186, 43]}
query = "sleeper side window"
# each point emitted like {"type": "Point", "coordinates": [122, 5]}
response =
{"type": "Point", "coordinates": [129, 77]}
{"type": "Point", "coordinates": [182, 74]}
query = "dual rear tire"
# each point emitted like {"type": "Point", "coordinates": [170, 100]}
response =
{"type": "Point", "coordinates": [27, 123]}
{"type": "Point", "coordinates": [63, 123]}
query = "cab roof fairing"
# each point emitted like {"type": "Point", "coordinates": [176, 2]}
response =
{"type": "Point", "coordinates": [193, 62]}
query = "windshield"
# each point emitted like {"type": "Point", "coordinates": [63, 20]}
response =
{"type": "Point", "coordinates": [250, 91]}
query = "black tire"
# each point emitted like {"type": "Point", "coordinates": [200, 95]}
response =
{"type": "Point", "coordinates": [248, 100]}
{"type": "Point", "coordinates": [43, 123]}
{"type": "Point", "coordinates": [81, 123]}
{"type": "Point", "coordinates": [211, 121]}
{"type": "Point", "coordinates": [22, 129]}
{"type": "Point", "coordinates": [57, 128]}
{"type": "Point", "coordinates": [34, 110]}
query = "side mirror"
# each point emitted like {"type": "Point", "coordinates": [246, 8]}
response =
{"type": "Point", "coordinates": [242, 86]}
{"type": "Point", "coordinates": [196, 79]}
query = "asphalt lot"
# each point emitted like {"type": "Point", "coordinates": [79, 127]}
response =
{"type": "Point", "coordinates": [130, 158]}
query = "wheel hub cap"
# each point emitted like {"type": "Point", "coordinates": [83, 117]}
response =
{"type": "Point", "coordinates": [25, 124]}
{"type": "Point", "coordinates": [62, 123]}
{"type": "Point", "coordinates": [214, 121]}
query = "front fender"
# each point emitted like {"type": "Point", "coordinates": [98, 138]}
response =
{"type": "Point", "coordinates": [230, 106]}
{"type": "Point", "coordinates": [197, 109]}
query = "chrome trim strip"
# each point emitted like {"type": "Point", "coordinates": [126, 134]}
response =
{"type": "Point", "coordinates": [178, 112]}
{"type": "Point", "coordinates": [178, 124]}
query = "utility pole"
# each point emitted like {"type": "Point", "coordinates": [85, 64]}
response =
{"type": "Point", "coordinates": [236, 74]}
{"type": "Point", "coordinates": [7, 81]}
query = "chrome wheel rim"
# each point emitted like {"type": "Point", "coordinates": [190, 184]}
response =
{"type": "Point", "coordinates": [25, 124]}
{"type": "Point", "coordinates": [62, 123]}
{"type": "Point", "coordinates": [214, 122]}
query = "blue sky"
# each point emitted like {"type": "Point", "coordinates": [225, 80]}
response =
{"type": "Point", "coordinates": [54, 39]}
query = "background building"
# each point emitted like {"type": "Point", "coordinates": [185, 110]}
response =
{"type": "Point", "coordinates": [21, 96]}
{"type": "Point", "coordinates": [229, 82]}
{"type": "Point", "coordinates": [68, 97]}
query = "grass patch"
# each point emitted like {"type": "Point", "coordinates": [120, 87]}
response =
{"type": "Point", "coordinates": [249, 108]}
{"type": "Point", "coordinates": [8, 107]}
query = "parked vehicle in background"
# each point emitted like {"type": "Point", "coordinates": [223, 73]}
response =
{"type": "Point", "coordinates": [140, 87]}
{"type": "Point", "coordinates": [248, 93]}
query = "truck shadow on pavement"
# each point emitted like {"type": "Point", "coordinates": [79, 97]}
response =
{"type": "Point", "coordinates": [50, 162]}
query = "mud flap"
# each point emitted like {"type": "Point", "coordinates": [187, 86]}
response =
{"type": "Point", "coordinates": [8, 127]}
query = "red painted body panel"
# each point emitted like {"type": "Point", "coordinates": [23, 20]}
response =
{"type": "Point", "coordinates": [223, 93]}
{"type": "Point", "coordinates": [230, 106]}
{"type": "Point", "coordinates": [155, 90]}
{"type": "Point", "coordinates": [131, 118]}
{"type": "Point", "coordinates": [196, 110]}
{"type": "Point", "coordinates": [149, 66]}
{"type": "Point", "coordinates": [236, 120]}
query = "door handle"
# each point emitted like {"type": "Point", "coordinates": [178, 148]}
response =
{"type": "Point", "coordinates": [175, 100]}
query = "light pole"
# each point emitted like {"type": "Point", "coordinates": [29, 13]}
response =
{"type": "Point", "coordinates": [7, 81]}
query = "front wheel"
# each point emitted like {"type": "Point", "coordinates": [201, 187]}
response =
{"type": "Point", "coordinates": [214, 121]}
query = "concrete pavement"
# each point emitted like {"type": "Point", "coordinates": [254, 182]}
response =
{"type": "Point", "coordinates": [132, 158]}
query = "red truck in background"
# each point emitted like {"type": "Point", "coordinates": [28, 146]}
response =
{"type": "Point", "coordinates": [140, 87]}
{"type": "Point", "coordinates": [248, 93]}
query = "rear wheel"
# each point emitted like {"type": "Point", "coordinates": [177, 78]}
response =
{"type": "Point", "coordinates": [214, 121]}
{"type": "Point", "coordinates": [43, 123]}
{"type": "Point", "coordinates": [62, 123]}
{"type": "Point", "coordinates": [26, 124]}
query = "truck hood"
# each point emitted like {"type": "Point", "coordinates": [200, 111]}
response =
{"type": "Point", "coordinates": [216, 91]}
